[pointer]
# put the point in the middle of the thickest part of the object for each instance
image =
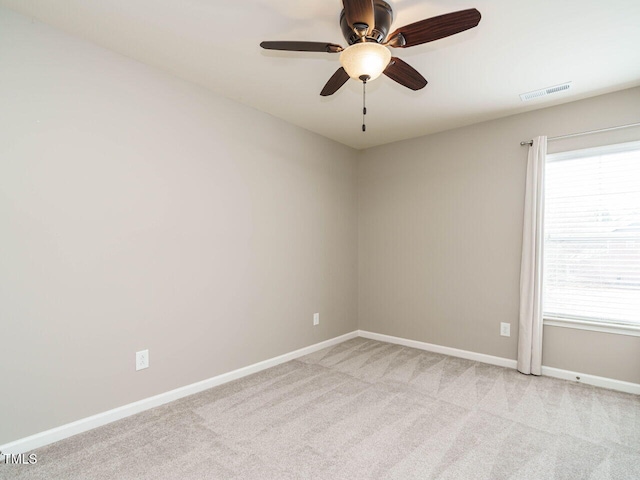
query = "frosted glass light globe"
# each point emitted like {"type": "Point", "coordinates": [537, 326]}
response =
{"type": "Point", "coordinates": [365, 59]}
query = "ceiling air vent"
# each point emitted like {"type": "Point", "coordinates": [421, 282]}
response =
{"type": "Point", "coordinates": [545, 91]}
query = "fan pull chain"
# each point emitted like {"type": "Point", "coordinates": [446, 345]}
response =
{"type": "Point", "coordinates": [364, 79]}
{"type": "Point", "coordinates": [364, 104]}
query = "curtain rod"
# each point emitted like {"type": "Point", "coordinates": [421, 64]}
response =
{"type": "Point", "coordinates": [530, 142]}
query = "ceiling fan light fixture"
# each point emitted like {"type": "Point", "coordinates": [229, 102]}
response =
{"type": "Point", "coordinates": [365, 60]}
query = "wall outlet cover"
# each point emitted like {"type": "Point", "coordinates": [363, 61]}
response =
{"type": "Point", "coordinates": [142, 359]}
{"type": "Point", "coordinates": [316, 318]}
{"type": "Point", "coordinates": [505, 329]}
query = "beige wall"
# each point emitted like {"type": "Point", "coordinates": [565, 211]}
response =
{"type": "Point", "coordinates": [440, 232]}
{"type": "Point", "coordinates": [602, 354]}
{"type": "Point", "coordinates": [139, 211]}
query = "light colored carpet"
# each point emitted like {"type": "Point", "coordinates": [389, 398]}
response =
{"type": "Point", "coordinates": [365, 410]}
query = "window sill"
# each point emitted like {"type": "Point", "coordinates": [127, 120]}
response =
{"type": "Point", "coordinates": [605, 327]}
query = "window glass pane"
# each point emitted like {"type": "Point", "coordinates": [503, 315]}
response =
{"type": "Point", "coordinates": [592, 235]}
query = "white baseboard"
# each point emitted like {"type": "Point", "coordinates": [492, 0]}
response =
{"type": "Point", "coordinates": [594, 380]}
{"type": "Point", "coordinates": [587, 379]}
{"type": "Point", "coordinates": [38, 440]}
{"type": "Point", "coordinates": [430, 347]}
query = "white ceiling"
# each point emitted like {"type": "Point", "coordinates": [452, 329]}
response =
{"type": "Point", "coordinates": [473, 76]}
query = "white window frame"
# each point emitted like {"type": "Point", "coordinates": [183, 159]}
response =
{"type": "Point", "coordinates": [604, 326]}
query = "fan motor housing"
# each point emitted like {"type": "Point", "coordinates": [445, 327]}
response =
{"type": "Point", "coordinates": [383, 17]}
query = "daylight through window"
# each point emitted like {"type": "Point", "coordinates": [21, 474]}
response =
{"type": "Point", "coordinates": [592, 235]}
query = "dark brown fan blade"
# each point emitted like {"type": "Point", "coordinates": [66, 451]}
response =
{"type": "Point", "coordinates": [335, 82]}
{"type": "Point", "coordinates": [360, 11]}
{"type": "Point", "coordinates": [404, 74]}
{"type": "Point", "coordinates": [435, 28]}
{"type": "Point", "coordinates": [302, 46]}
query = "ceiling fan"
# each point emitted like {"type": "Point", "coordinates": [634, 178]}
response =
{"type": "Point", "coordinates": [365, 25]}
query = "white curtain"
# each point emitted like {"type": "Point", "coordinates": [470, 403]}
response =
{"type": "Point", "coordinates": [530, 331]}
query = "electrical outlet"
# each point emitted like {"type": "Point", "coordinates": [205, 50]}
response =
{"type": "Point", "coordinates": [505, 329]}
{"type": "Point", "coordinates": [316, 319]}
{"type": "Point", "coordinates": [142, 359]}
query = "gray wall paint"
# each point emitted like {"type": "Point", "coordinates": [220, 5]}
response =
{"type": "Point", "coordinates": [440, 232]}
{"type": "Point", "coordinates": [139, 211]}
{"type": "Point", "coordinates": [602, 354]}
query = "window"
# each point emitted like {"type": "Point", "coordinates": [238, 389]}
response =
{"type": "Point", "coordinates": [592, 237]}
